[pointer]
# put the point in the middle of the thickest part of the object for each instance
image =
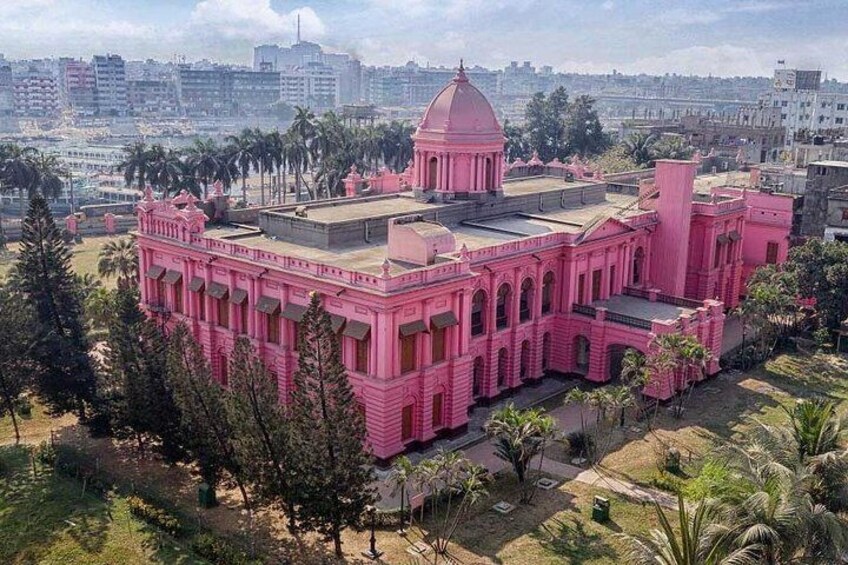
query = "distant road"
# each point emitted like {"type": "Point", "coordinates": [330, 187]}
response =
{"type": "Point", "coordinates": [623, 97]}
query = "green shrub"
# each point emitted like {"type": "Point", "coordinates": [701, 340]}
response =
{"type": "Point", "coordinates": [580, 444]}
{"type": "Point", "coordinates": [713, 481]}
{"type": "Point", "coordinates": [154, 516]}
{"type": "Point", "coordinates": [667, 482]}
{"type": "Point", "coordinates": [24, 407]}
{"type": "Point", "coordinates": [46, 454]}
{"type": "Point", "coordinates": [219, 551]}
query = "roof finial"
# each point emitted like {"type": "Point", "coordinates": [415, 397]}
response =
{"type": "Point", "coordinates": [460, 73]}
{"type": "Point", "coordinates": [461, 67]}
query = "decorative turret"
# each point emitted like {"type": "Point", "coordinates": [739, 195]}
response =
{"type": "Point", "coordinates": [459, 144]}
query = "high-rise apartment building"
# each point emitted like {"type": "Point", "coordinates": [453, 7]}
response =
{"type": "Point", "coordinates": [110, 82]}
{"type": "Point", "coordinates": [152, 98]}
{"type": "Point", "coordinates": [80, 87]}
{"type": "Point", "coordinates": [315, 85]}
{"type": "Point", "coordinates": [36, 93]}
{"type": "Point", "coordinates": [7, 90]}
{"type": "Point", "coordinates": [222, 91]}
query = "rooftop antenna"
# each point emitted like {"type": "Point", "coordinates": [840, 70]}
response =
{"type": "Point", "coordinates": [298, 28]}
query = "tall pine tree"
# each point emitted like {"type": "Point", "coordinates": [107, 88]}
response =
{"type": "Point", "coordinates": [328, 431]}
{"type": "Point", "coordinates": [261, 428]}
{"type": "Point", "coordinates": [206, 429]}
{"type": "Point", "coordinates": [141, 405]}
{"type": "Point", "coordinates": [16, 346]}
{"type": "Point", "coordinates": [43, 271]}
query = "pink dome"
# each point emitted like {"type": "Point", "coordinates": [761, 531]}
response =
{"type": "Point", "coordinates": [460, 110]}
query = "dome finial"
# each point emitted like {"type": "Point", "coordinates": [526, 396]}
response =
{"type": "Point", "coordinates": [460, 73]}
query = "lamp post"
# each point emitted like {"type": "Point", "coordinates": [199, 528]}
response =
{"type": "Point", "coordinates": [372, 554]}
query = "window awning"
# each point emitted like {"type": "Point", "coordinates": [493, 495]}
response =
{"type": "Point", "coordinates": [294, 312]}
{"type": "Point", "coordinates": [268, 305]}
{"type": "Point", "coordinates": [444, 320]}
{"type": "Point", "coordinates": [357, 330]}
{"type": "Point", "coordinates": [172, 277]}
{"type": "Point", "coordinates": [154, 272]}
{"type": "Point", "coordinates": [734, 235]}
{"type": "Point", "coordinates": [412, 328]}
{"type": "Point", "coordinates": [238, 296]}
{"type": "Point", "coordinates": [196, 284]}
{"type": "Point", "coordinates": [217, 290]}
{"type": "Point", "coordinates": [337, 322]}
{"type": "Point", "coordinates": [722, 239]}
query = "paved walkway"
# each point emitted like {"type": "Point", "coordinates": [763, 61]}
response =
{"type": "Point", "coordinates": [567, 418]}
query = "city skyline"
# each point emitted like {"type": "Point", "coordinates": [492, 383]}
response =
{"type": "Point", "coordinates": [728, 38]}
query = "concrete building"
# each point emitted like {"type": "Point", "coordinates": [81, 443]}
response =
{"type": "Point", "coordinates": [7, 89]}
{"type": "Point", "coordinates": [465, 288]}
{"type": "Point", "coordinates": [80, 87]}
{"type": "Point", "coordinates": [797, 103]}
{"type": "Point", "coordinates": [110, 85]}
{"type": "Point", "coordinates": [152, 98]}
{"type": "Point", "coordinates": [315, 85]}
{"type": "Point", "coordinates": [222, 91]}
{"type": "Point", "coordinates": [822, 178]}
{"type": "Point", "coordinates": [36, 94]}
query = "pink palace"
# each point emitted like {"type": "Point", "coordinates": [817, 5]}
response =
{"type": "Point", "coordinates": [462, 278]}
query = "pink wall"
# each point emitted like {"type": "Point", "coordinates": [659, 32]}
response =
{"type": "Point", "coordinates": [675, 181]}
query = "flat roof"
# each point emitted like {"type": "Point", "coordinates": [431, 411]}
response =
{"type": "Point", "coordinates": [642, 309]}
{"type": "Point", "coordinates": [527, 185]}
{"type": "Point", "coordinates": [353, 210]}
{"type": "Point", "coordinates": [839, 164]}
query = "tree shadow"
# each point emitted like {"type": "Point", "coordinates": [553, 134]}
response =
{"type": "Point", "coordinates": [571, 539]}
{"type": "Point", "coordinates": [36, 510]}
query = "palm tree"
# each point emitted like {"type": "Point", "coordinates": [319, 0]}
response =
{"type": "Point", "coordinates": [815, 427]}
{"type": "Point", "coordinates": [581, 399]}
{"type": "Point", "coordinates": [165, 170]}
{"type": "Point", "coordinates": [136, 163]}
{"type": "Point", "coordinates": [17, 174]}
{"type": "Point", "coordinates": [671, 147]}
{"type": "Point", "coordinates": [684, 357]}
{"type": "Point", "coordinates": [300, 157]}
{"type": "Point", "coordinates": [241, 156]}
{"type": "Point", "coordinates": [204, 158]}
{"type": "Point", "coordinates": [263, 159]}
{"type": "Point", "coordinates": [119, 258]}
{"type": "Point", "coordinates": [519, 436]}
{"type": "Point", "coordinates": [400, 477]}
{"type": "Point", "coordinates": [49, 173]}
{"type": "Point", "coordinates": [279, 154]}
{"type": "Point", "coordinates": [699, 538]}
{"type": "Point", "coordinates": [639, 146]}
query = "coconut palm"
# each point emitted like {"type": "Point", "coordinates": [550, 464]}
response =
{"type": "Point", "coordinates": [49, 174]}
{"type": "Point", "coordinates": [699, 538]}
{"type": "Point", "coordinates": [684, 357]}
{"type": "Point", "coordinates": [136, 163]}
{"type": "Point", "coordinates": [278, 148]}
{"type": "Point", "coordinates": [119, 258]}
{"type": "Point", "coordinates": [263, 160]}
{"type": "Point", "coordinates": [240, 151]}
{"type": "Point", "coordinates": [164, 170]}
{"type": "Point", "coordinates": [205, 159]}
{"type": "Point", "coordinates": [581, 399]}
{"type": "Point", "coordinates": [519, 436]}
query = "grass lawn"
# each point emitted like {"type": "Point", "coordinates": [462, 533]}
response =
{"type": "Point", "coordinates": [723, 409]}
{"type": "Point", "coordinates": [83, 261]}
{"type": "Point", "coordinates": [47, 518]}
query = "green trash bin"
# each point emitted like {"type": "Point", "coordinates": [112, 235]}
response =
{"type": "Point", "coordinates": [601, 509]}
{"type": "Point", "coordinates": [206, 496]}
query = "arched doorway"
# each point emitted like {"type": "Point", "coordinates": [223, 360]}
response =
{"type": "Point", "coordinates": [477, 378]}
{"type": "Point", "coordinates": [546, 351]}
{"type": "Point", "coordinates": [503, 366]}
{"type": "Point", "coordinates": [524, 371]}
{"type": "Point", "coordinates": [432, 173]}
{"type": "Point", "coordinates": [581, 354]}
{"type": "Point", "coordinates": [638, 266]}
{"type": "Point", "coordinates": [616, 353]}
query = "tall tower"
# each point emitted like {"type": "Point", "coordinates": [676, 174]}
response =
{"type": "Point", "coordinates": [459, 144]}
{"type": "Point", "coordinates": [675, 181]}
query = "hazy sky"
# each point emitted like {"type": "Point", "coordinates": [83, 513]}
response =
{"type": "Point", "coordinates": [722, 37]}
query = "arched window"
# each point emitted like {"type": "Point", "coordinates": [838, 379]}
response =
{"type": "Point", "coordinates": [547, 292]}
{"type": "Point", "coordinates": [503, 366]}
{"type": "Point", "coordinates": [525, 360]}
{"type": "Point", "coordinates": [638, 265]}
{"type": "Point", "coordinates": [478, 313]}
{"type": "Point", "coordinates": [432, 173]}
{"type": "Point", "coordinates": [525, 308]}
{"type": "Point", "coordinates": [477, 380]}
{"type": "Point", "coordinates": [502, 307]}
